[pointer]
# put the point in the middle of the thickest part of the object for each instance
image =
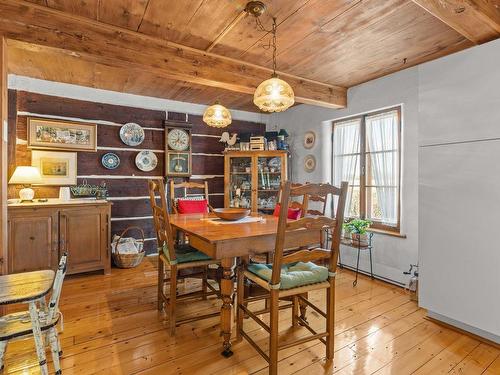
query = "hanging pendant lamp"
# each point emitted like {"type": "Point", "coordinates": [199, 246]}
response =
{"type": "Point", "coordinates": [217, 116]}
{"type": "Point", "coordinates": [274, 94]}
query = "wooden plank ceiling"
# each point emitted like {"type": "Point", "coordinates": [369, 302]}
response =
{"type": "Point", "coordinates": [335, 42]}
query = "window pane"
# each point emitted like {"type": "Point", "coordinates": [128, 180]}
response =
{"type": "Point", "coordinates": [382, 168]}
{"type": "Point", "coordinates": [346, 137]}
{"type": "Point", "coordinates": [346, 161]}
{"type": "Point", "coordinates": [353, 202]}
{"type": "Point", "coordinates": [382, 204]}
{"type": "Point", "coordinates": [382, 132]}
{"type": "Point", "coordinates": [346, 168]}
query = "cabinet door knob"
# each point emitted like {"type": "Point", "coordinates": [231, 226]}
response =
{"type": "Point", "coordinates": [32, 238]}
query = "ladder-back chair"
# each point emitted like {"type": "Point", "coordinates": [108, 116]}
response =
{"type": "Point", "coordinates": [295, 274]}
{"type": "Point", "coordinates": [186, 188]}
{"type": "Point", "coordinates": [18, 325]}
{"type": "Point", "coordinates": [174, 258]}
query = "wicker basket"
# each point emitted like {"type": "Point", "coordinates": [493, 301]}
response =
{"type": "Point", "coordinates": [128, 260]}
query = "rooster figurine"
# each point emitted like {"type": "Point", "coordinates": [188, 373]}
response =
{"type": "Point", "coordinates": [230, 141]}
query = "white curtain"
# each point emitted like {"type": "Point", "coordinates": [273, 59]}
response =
{"type": "Point", "coordinates": [346, 148]}
{"type": "Point", "coordinates": [382, 142]}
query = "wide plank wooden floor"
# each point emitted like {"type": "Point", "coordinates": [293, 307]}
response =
{"type": "Point", "coordinates": [111, 326]}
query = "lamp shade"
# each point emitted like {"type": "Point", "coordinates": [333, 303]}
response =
{"type": "Point", "coordinates": [217, 116]}
{"type": "Point", "coordinates": [26, 175]}
{"type": "Point", "coordinates": [274, 95]}
{"type": "Point", "coordinates": [283, 132]}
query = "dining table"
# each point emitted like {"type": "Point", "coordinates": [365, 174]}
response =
{"type": "Point", "coordinates": [229, 240]}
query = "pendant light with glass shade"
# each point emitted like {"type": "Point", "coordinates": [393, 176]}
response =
{"type": "Point", "coordinates": [217, 116]}
{"type": "Point", "coordinates": [274, 94]}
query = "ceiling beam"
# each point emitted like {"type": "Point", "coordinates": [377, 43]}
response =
{"type": "Point", "coordinates": [118, 47]}
{"type": "Point", "coordinates": [476, 20]}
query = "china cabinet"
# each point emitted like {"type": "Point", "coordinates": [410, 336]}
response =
{"type": "Point", "coordinates": [252, 179]}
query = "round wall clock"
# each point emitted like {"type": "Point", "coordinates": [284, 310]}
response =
{"type": "Point", "coordinates": [178, 139]}
{"type": "Point", "coordinates": [146, 161]}
{"type": "Point", "coordinates": [132, 134]}
{"type": "Point", "coordinates": [309, 163]}
{"type": "Point", "coordinates": [309, 139]}
{"type": "Point", "coordinates": [110, 160]}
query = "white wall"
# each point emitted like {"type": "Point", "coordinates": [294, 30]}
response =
{"type": "Point", "coordinates": [459, 136]}
{"type": "Point", "coordinates": [392, 255]}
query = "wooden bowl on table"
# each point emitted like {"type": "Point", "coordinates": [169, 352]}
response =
{"type": "Point", "coordinates": [231, 214]}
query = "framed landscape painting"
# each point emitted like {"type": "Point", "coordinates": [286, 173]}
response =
{"type": "Point", "coordinates": [56, 168]}
{"type": "Point", "coordinates": [62, 135]}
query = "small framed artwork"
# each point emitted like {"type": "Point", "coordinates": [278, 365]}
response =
{"type": "Point", "coordinates": [61, 135]}
{"type": "Point", "coordinates": [179, 164]}
{"type": "Point", "coordinates": [56, 168]}
{"type": "Point", "coordinates": [309, 139]}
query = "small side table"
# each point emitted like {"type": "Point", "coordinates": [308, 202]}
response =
{"type": "Point", "coordinates": [29, 287]}
{"type": "Point", "coordinates": [359, 246]}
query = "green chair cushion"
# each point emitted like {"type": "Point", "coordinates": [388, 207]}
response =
{"type": "Point", "coordinates": [293, 275]}
{"type": "Point", "coordinates": [186, 254]}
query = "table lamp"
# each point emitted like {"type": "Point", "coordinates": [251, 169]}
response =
{"type": "Point", "coordinates": [26, 176]}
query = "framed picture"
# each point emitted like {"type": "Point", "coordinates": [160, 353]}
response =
{"type": "Point", "coordinates": [178, 164]}
{"type": "Point", "coordinates": [62, 135]}
{"type": "Point", "coordinates": [56, 168]}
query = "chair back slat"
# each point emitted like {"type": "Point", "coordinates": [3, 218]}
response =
{"type": "Point", "coordinates": [161, 219]}
{"type": "Point", "coordinates": [308, 224]}
{"type": "Point", "coordinates": [306, 256]}
{"type": "Point", "coordinates": [315, 190]}
{"type": "Point", "coordinates": [57, 287]}
{"type": "Point", "coordinates": [311, 222]}
{"type": "Point", "coordinates": [318, 201]}
{"type": "Point", "coordinates": [186, 186]}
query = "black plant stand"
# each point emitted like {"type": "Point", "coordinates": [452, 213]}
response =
{"type": "Point", "coordinates": [359, 246]}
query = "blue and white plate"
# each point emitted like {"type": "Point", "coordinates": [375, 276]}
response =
{"type": "Point", "coordinates": [146, 161]}
{"type": "Point", "coordinates": [132, 134]}
{"type": "Point", "coordinates": [110, 160]}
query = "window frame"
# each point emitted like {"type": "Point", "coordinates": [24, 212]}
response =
{"type": "Point", "coordinates": [363, 163]}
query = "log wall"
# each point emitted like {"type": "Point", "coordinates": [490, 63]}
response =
{"type": "Point", "coordinates": [127, 185]}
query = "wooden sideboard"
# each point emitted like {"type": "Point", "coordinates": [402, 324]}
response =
{"type": "Point", "coordinates": [38, 233]}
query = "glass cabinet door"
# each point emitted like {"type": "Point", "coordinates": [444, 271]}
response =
{"type": "Point", "coordinates": [240, 182]}
{"type": "Point", "coordinates": [269, 174]}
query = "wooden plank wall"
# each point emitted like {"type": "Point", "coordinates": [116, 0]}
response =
{"type": "Point", "coordinates": [127, 185]}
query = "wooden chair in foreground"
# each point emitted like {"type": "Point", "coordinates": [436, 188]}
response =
{"type": "Point", "coordinates": [295, 274]}
{"type": "Point", "coordinates": [186, 187]}
{"type": "Point", "coordinates": [18, 325]}
{"type": "Point", "coordinates": [174, 258]}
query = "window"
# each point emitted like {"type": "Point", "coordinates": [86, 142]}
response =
{"type": "Point", "coordinates": [366, 153]}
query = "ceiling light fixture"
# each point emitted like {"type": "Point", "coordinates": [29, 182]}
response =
{"type": "Point", "coordinates": [217, 116]}
{"type": "Point", "coordinates": [274, 94]}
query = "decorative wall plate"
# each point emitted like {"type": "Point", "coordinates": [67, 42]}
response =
{"type": "Point", "coordinates": [110, 160]}
{"type": "Point", "coordinates": [309, 163]}
{"type": "Point", "coordinates": [146, 161]}
{"type": "Point", "coordinates": [132, 134]}
{"type": "Point", "coordinates": [309, 139]}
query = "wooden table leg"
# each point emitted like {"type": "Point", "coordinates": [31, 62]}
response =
{"type": "Point", "coordinates": [227, 290]}
{"type": "Point", "coordinates": [37, 335]}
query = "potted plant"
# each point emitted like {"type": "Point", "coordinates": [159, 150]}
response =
{"type": "Point", "coordinates": [357, 228]}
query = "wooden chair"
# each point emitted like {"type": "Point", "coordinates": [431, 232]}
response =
{"type": "Point", "coordinates": [280, 286]}
{"type": "Point", "coordinates": [186, 187]}
{"type": "Point", "coordinates": [176, 258]}
{"type": "Point", "coordinates": [18, 325]}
